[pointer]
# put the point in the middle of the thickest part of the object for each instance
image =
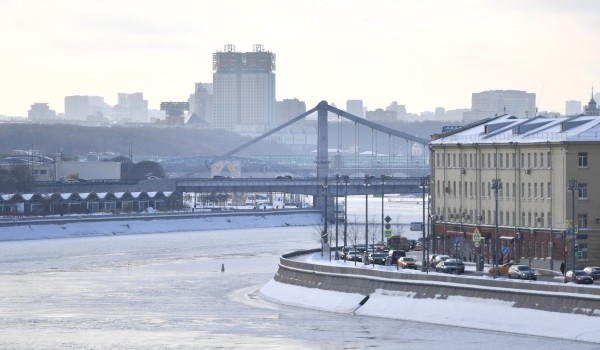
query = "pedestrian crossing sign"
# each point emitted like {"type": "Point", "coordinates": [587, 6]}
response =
{"type": "Point", "coordinates": [476, 236]}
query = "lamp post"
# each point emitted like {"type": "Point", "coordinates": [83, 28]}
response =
{"type": "Point", "coordinates": [573, 186]}
{"type": "Point", "coordinates": [337, 182]}
{"type": "Point", "coordinates": [367, 183]}
{"type": "Point", "coordinates": [325, 234]}
{"type": "Point", "coordinates": [382, 195]}
{"type": "Point", "coordinates": [496, 185]}
{"type": "Point", "coordinates": [424, 184]}
{"type": "Point", "coordinates": [346, 180]}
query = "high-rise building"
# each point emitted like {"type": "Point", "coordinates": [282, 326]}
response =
{"type": "Point", "coordinates": [355, 107]}
{"type": "Point", "coordinates": [572, 107]}
{"type": "Point", "coordinates": [85, 107]}
{"type": "Point", "coordinates": [131, 107]}
{"type": "Point", "coordinates": [41, 111]}
{"type": "Point", "coordinates": [201, 102]}
{"type": "Point", "coordinates": [488, 104]}
{"type": "Point", "coordinates": [243, 90]}
{"type": "Point", "coordinates": [592, 108]}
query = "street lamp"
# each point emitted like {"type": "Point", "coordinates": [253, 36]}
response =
{"type": "Point", "coordinates": [382, 195]}
{"type": "Point", "coordinates": [337, 182]}
{"type": "Point", "coordinates": [424, 184]}
{"type": "Point", "coordinates": [325, 234]}
{"type": "Point", "coordinates": [573, 186]}
{"type": "Point", "coordinates": [367, 183]}
{"type": "Point", "coordinates": [346, 180]}
{"type": "Point", "coordinates": [496, 185]}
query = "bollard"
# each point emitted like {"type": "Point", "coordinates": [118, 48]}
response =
{"type": "Point", "coordinates": [222, 267]}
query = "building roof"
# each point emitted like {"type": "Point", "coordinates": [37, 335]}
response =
{"type": "Point", "coordinates": [508, 128]}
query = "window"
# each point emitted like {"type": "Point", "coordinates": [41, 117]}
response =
{"type": "Point", "coordinates": [522, 160]}
{"type": "Point", "coordinates": [529, 160]}
{"type": "Point", "coordinates": [535, 190]}
{"type": "Point", "coordinates": [495, 160]}
{"type": "Point", "coordinates": [470, 160]}
{"type": "Point", "coordinates": [489, 161]}
{"type": "Point", "coordinates": [522, 190]}
{"type": "Point", "coordinates": [583, 159]}
{"type": "Point", "coordinates": [454, 160]}
{"type": "Point", "coordinates": [541, 190]}
{"type": "Point", "coordinates": [541, 160]}
{"type": "Point", "coordinates": [549, 189]}
{"type": "Point", "coordinates": [471, 189]}
{"type": "Point", "coordinates": [514, 191]}
{"type": "Point", "coordinates": [583, 193]}
{"type": "Point", "coordinates": [500, 165]}
{"type": "Point", "coordinates": [437, 160]}
{"type": "Point", "coordinates": [549, 160]}
{"type": "Point", "coordinates": [582, 221]}
{"type": "Point", "coordinates": [514, 160]}
{"type": "Point", "coordinates": [529, 190]}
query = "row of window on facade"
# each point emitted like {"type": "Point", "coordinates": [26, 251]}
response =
{"type": "Point", "coordinates": [505, 218]}
{"type": "Point", "coordinates": [502, 160]}
{"type": "Point", "coordinates": [529, 190]}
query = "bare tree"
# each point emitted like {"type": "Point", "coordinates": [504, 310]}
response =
{"type": "Point", "coordinates": [353, 236]}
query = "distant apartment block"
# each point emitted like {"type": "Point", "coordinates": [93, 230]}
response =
{"type": "Point", "coordinates": [244, 90]}
{"type": "Point", "coordinates": [572, 107]}
{"type": "Point", "coordinates": [85, 107]}
{"type": "Point", "coordinates": [399, 109]}
{"type": "Point", "coordinates": [381, 116]}
{"type": "Point", "coordinates": [40, 112]}
{"type": "Point", "coordinates": [355, 107]}
{"type": "Point", "coordinates": [131, 108]}
{"type": "Point", "coordinates": [488, 104]}
{"type": "Point", "coordinates": [201, 104]}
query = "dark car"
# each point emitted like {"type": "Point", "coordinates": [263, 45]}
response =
{"type": "Point", "coordinates": [455, 266]}
{"type": "Point", "coordinates": [521, 272]}
{"type": "Point", "coordinates": [378, 258]}
{"type": "Point", "coordinates": [395, 255]}
{"type": "Point", "coordinates": [581, 277]}
{"type": "Point", "coordinates": [593, 271]}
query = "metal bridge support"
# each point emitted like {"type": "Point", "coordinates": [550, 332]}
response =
{"type": "Point", "coordinates": [322, 141]}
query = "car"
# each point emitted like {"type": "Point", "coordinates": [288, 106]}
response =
{"type": "Point", "coordinates": [407, 262]}
{"type": "Point", "coordinates": [411, 244]}
{"type": "Point", "coordinates": [418, 246]}
{"type": "Point", "coordinates": [593, 271]}
{"type": "Point", "coordinates": [502, 269]}
{"type": "Point", "coordinates": [395, 255]}
{"type": "Point", "coordinates": [436, 258]}
{"type": "Point", "coordinates": [581, 277]}
{"type": "Point", "coordinates": [378, 258]}
{"type": "Point", "coordinates": [455, 266]}
{"type": "Point", "coordinates": [282, 177]}
{"type": "Point", "coordinates": [152, 177]}
{"type": "Point", "coordinates": [521, 272]}
{"type": "Point", "coordinates": [353, 255]}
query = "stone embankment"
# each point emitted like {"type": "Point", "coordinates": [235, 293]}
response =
{"type": "Point", "coordinates": [555, 297]}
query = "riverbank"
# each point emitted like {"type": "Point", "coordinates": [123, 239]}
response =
{"type": "Point", "coordinates": [128, 225]}
{"type": "Point", "coordinates": [545, 309]}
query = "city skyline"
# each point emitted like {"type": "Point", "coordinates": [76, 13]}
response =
{"type": "Point", "coordinates": [420, 54]}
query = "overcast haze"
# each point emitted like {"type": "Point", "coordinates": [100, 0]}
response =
{"type": "Point", "coordinates": [422, 54]}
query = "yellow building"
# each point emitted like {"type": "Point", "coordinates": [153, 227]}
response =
{"type": "Point", "coordinates": [509, 181]}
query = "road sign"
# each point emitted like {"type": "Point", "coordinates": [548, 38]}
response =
{"type": "Point", "coordinates": [476, 236]}
{"type": "Point", "coordinates": [505, 250]}
{"type": "Point", "coordinates": [578, 254]}
{"type": "Point", "coordinates": [388, 219]}
{"type": "Point", "coordinates": [476, 244]}
{"type": "Point", "coordinates": [416, 226]}
{"type": "Point", "coordinates": [457, 240]}
{"type": "Point", "coordinates": [388, 233]}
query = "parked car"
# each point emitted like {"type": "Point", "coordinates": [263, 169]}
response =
{"type": "Point", "coordinates": [353, 255]}
{"type": "Point", "coordinates": [593, 271]}
{"type": "Point", "coordinates": [406, 262]}
{"type": "Point", "coordinates": [581, 277]}
{"type": "Point", "coordinates": [418, 246]}
{"type": "Point", "coordinates": [521, 272]}
{"type": "Point", "coordinates": [378, 258]}
{"type": "Point", "coordinates": [436, 258]}
{"type": "Point", "coordinates": [502, 269]}
{"type": "Point", "coordinates": [450, 266]}
{"type": "Point", "coordinates": [395, 255]}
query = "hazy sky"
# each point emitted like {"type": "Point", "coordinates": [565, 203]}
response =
{"type": "Point", "coordinates": [421, 53]}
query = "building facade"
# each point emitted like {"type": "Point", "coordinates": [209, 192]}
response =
{"type": "Point", "coordinates": [243, 90]}
{"type": "Point", "coordinates": [509, 180]}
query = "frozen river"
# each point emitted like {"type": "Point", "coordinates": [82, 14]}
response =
{"type": "Point", "coordinates": [167, 291]}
